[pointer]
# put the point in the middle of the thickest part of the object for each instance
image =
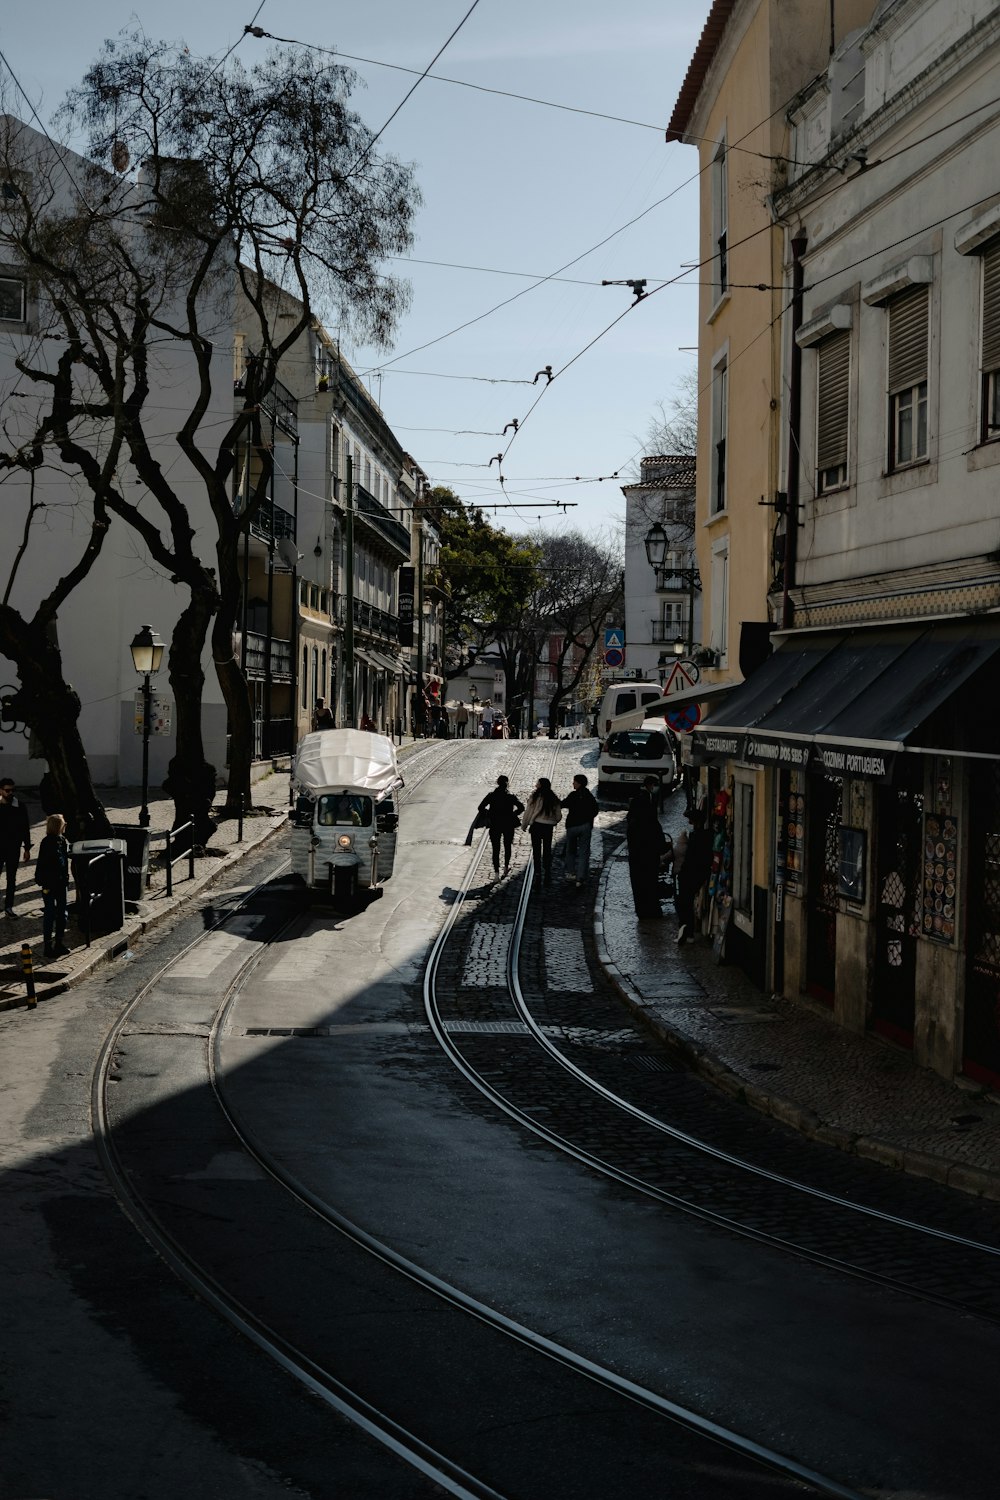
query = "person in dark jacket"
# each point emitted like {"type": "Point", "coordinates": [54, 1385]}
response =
{"type": "Point", "coordinates": [693, 873]}
{"type": "Point", "coordinates": [52, 874]}
{"type": "Point", "coordinates": [646, 845]}
{"type": "Point", "coordinates": [15, 835]}
{"type": "Point", "coordinates": [581, 810]}
{"type": "Point", "coordinates": [502, 809]}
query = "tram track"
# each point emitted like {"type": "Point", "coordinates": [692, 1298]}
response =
{"type": "Point", "coordinates": [534, 1015]}
{"type": "Point", "coordinates": [180, 1224]}
{"type": "Point", "coordinates": [952, 1270]}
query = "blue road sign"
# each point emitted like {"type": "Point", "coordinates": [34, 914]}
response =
{"type": "Point", "coordinates": [614, 638]}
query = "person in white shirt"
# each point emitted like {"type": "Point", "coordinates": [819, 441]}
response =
{"type": "Point", "coordinates": [487, 721]}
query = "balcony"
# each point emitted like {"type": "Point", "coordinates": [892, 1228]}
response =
{"type": "Point", "coordinates": [376, 621]}
{"type": "Point", "coordinates": [677, 580]}
{"type": "Point", "coordinates": [665, 632]}
{"type": "Point", "coordinates": [278, 403]}
{"type": "Point", "coordinates": [256, 657]}
{"type": "Point", "coordinates": [375, 515]}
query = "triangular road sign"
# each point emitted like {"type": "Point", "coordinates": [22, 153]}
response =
{"type": "Point", "coordinates": [678, 680]}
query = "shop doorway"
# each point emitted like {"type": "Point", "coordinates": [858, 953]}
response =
{"type": "Point", "coordinates": [898, 869]}
{"type": "Point", "coordinates": [824, 802]}
{"type": "Point", "coordinates": [981, 1039]}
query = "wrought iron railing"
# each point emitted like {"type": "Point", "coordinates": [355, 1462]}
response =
{"type": "Point", "coordinates": [375, 513]}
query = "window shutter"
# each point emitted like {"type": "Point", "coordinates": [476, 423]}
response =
{"type": "Point", "coordinates": [833, 400]}
{"type": "Point", "coordinates": [908, 339]}
{"type": "Point", "coordinates": [991, 308]}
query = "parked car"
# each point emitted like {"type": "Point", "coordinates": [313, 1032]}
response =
{"type": "Point", "coordinates": [630, 755]}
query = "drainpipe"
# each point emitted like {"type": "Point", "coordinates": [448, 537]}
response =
{"type": "Point", "coordinates": [799, 244]}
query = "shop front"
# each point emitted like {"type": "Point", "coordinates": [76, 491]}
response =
{"type": "Point", "coordinates": [883, 794]}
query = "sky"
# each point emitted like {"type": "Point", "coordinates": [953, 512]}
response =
{"type": "Point", "coordinates": [513, 192]}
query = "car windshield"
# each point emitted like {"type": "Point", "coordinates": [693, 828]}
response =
{"type": "Point", "coordinates": [344, 810]}
{"type": "Point", "coordinates": [638, 744]}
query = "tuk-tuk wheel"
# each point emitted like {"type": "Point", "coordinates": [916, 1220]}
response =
{"type": "Point", "coordinates": [345, 887]}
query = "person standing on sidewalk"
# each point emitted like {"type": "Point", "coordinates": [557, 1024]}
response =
{"type": "Point", "coordinates": [15, 835]}
{"type": "Point", "coordinates": [461, 720]}
{"type": "Point", "coordinates": [52, 874]}
{"type": "Point", "coordinates": [646, 846]}
{"type": "Point", "coordinates": [581, 810]}
{"type": "Point", "coordinates": [502, 810]}
{"type": "Point", "coordinates": [693, 873]}
{"type": "Point", "coordinates": [541, 815]}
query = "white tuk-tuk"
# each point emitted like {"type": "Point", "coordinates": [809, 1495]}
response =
{"type": "Point", "coordinates": [345, 815]}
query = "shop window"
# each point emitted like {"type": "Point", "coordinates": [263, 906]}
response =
{"type": "Point", "coordinates": [832, 411]}
{"type": "Point", "coordinates": [908, 360]}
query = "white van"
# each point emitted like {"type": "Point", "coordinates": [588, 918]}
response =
{"type": "Point", "coordinates": [624, 698]}
{"type": "Point", "coordinates": [628, 756]}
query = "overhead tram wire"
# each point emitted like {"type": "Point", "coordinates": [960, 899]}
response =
{"type": "Point", "coordinates": [470, 322]}
{"type": "Point", "coordinates": [481, 88]}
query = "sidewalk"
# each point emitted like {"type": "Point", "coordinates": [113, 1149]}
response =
{"type": "Point", "coordinates": [53, 976]}
{"type": "Point", "coordinates": [853, 1092]}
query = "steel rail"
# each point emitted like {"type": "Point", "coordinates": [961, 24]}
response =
{"type": "Point", "coordinates": [693, 1142]}
{"type": "Point", "coordinates": [377, 1425]}
{"type": "Point", "coordinates": [673, 1411]}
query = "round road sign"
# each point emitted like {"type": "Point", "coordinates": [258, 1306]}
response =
{"type": "Point", "coordinates": [683, 720]}
{"type": "Point", "coordinates": [614, 656]}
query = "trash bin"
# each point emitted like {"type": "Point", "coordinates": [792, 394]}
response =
{"type": "Point", "coordinates": [136, 859]}
{"type": "Point", "coordinates": [99, 876]}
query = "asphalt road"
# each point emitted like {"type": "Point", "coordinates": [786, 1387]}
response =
{"type": "Point", "coordinates": [114, 1379]}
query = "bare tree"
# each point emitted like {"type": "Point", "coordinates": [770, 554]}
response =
{"type": "Point", "coordinates": [262, 179]}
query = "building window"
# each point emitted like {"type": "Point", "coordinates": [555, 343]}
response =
{"type": "Point", "coordinates": [743, 847]}
{"type": "Point", "coordinates": [720, 599]}
{"type": "Point", "coordinates": [720, 427]}
{"type": "Point", "coordinates": [305, 676]}
{"type": "Point", "coordinates": [720, 219]}
{"type": "Point", "coordinates": [13, 299]}
{"type": "Point", "coordinates": [908, 337]}
{"type": "Point", "coordinates": [833, 389]}
{"type": "Point", "coordinates": [991, 343]}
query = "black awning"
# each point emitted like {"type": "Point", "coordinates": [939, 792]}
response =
{"type": "Point", "coordinates": [847, 703]}
{"type": "Point", "coordinates": [935, 665]}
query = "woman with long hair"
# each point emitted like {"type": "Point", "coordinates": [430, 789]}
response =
{"type": "Point", "coordinates": [541, 815]}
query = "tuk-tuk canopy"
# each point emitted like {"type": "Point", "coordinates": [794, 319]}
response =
{"type": "Point", "coordinates": [341, 758]}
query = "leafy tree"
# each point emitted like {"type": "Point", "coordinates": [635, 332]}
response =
{"type": "Point", "coordinates": [259, 180]}
{"type": "Point", "coordinates": [490, 577]}
{"type": "Point", "coordinates": [584, 587]}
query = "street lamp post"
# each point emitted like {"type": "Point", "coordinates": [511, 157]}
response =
{"type": "Point", "coordinates": [657, 544]}
{"type": "Point", "coordinates": [147, 653]}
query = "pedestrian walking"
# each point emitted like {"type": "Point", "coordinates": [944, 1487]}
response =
{"type": "Point", "coordinates": [646, 846]}
{"type": "Point", "coordinates": [52, 874]}
{"type": "Point", "coordinates": [502, 810]}
{"type": "Point", "coordinates": [461, 720]}
{"type": "Point", "coordinates": [15, 835]}
{"type": "Point", "coordinates": [694, 871]}
{"type": "Point", "coordinates": [323, 715]}
{"type": "Point", "coordinates": [486, 720]}
{"type": "Point", "coordinates": [581, 810]}
{"type": "Point", "coordinates": [541, 816]}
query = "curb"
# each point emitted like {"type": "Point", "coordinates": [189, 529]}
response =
{"type": "Point", "coordinates": [960, 1176]}
{"type": "Point", "coordinates": [120, 942]}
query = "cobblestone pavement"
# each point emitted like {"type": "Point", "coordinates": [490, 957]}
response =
{"type": "Point", "coordinates": [853, 1092]}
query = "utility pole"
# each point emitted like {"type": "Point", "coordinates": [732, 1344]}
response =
{"type": "Point", "coordinates": [349, 580]}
